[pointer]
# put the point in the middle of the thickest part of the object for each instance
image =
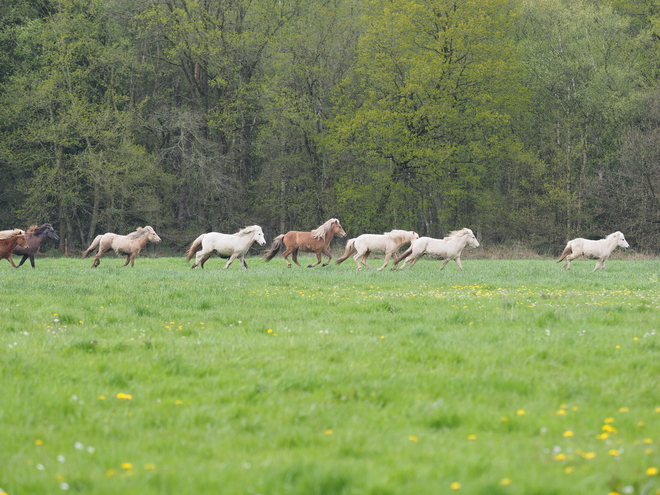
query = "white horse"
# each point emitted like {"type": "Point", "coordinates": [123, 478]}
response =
{"type": "Point", "coordinates": [230, 246]}
{"type": "Point", "coordinates": [387, 244]}
{"type": "Point", "coordinates": [600, 250]}
{"type": "Point", "coordinates": [449, 248]}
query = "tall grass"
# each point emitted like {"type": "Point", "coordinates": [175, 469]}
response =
{"type": "Point", "coordinates": [511, 377]}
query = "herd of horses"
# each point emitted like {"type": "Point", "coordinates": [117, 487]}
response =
{"type": "Point", "coordinates": [232, 246]}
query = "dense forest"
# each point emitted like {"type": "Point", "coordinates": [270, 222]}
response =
{"type": "Point", "coordinates": [529, 121]}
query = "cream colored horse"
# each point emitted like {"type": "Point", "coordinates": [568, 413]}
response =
{"type": "Point", "coordinates": [230, 246]}
{"type": "Point", "coordinates": [124, 245]}
{"type": "Point", "coordinates": [449, 248]}
{"type": "Point", "coordinates": [601, 250]}
{"type": "Point", "coordinates": [387, 244]}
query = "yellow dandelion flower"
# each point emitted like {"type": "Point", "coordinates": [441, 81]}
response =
{"type": "Point", "coordinates": [505, 481]}
{"type": "Point", "coordinates": [602, 436]}
{"type": "Point", "coordinates": [270, 330]}
{"type": "Point", "coordinates": [648, 451]}
{"type": "Point", "coordinates": [126, 465]}
{"type": "Point", "coordinates": [455, 485]}
{"type": "Point", "coordinates": [328, 432]}
{"type": "Point", "coordinates": [641, 424]}
{"type": "Point", "coordinates": [382, 336]}
{"type": "Point", "coordinates": [178, 402]}
{"type": "Point", "coordinates": [38, 441]}
{"type": "Point", "coordinates": [568, 433]}
{"type": "Point", "coordinates": [111, 472]}
{"type": "Point", "coordinates": [575, 408]}
{"type": "Point", "coordinates": [657, 409]}
{"type": "Point", "coordinates": [560, 457]}
{"type": "Point", "coordinates": [609, 420]}
{"type": "Point", "coordinates": [520, 412]}
{"type": "Point", "coordinates": [617, 347]}
{"type": "Point", "coordinates": [413, 438]}
{"type": "Point", "coordinates": [101, 397]}
{"type": "Point", "coordinates": [609, 429]}
{"type": "Point", "coordinates": [150, 466]}
{"type": "Point", "coordinates": [122, 395]}
{"type": "Point", "coordinates": [613, 493]}
{"type": "Point", "coordinates": [504, 419]}
{"type": "Point", "coordinates": [569, 469]}
{"type": "Point", "coordinates": [613, 452]}
{"type": "Point", "coordinates": [652, 471]}
{"type": "Point", "coordinates": [648, 440]}
{"type": "Point", "coordinates": [472, 437]}
{"type": "Point", "coordinates": [561, 412]}
{"type": "Point", "coordinates": [624, 409]}
{"type": "Point", "coordinates": [589, 455]}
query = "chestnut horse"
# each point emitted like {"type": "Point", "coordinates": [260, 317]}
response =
{"type": "Point", "coordinates": [7, 244]}
{"type": "Point", "coordinates": [316, 241]}
{"type": "Point", "coordinates": [124, 245]}
{"type": "Point", "coordinates": [35, 236]}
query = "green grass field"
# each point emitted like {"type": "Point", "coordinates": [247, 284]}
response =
{"type": "Point", "coordinates": [513, 377]}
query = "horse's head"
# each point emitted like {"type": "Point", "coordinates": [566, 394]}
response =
{"type": "Point", "coordinates": [415, 236]}
{"type": "Point", "coordinates": [259, 235]}
{"type": "Point", "coordinates": [151, 234]}
{"type": "Point", "coordinates": [50, 232]}
{"type": "Point", "coordinates": [337, 228]}
{"type": "Point", "coordinates": [622, 240]}
{"type": "Point", "coordinates": [472, 240]}
{"type": "Point", "coordinates": [22, 241]}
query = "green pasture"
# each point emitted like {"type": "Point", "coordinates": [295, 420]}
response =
{"type": "Point", "coordinates": [513, 377]}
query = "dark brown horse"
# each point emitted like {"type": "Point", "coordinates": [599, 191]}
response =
{"type": "Point", "coordinates": [316, 241]}
{"type": "Point", "coordinates": [35, 236]}
{"type": "Point", "coordinates": [9, 243]}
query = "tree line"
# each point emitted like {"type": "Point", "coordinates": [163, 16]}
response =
{"type": "Point", "coordinates": [529, 122]}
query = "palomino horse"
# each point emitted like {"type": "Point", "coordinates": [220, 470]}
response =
{"type": "Point", "coordinates": [316, 241]}
{"type": "Point", "coordinates": [35, 236]}
{"type": "Point", "coordinates": [449, 248]}
{"type": "Point", "coordinates": [600, 250]}
{"type": "Point", "coordinates": [387, 244]}
{"type": "Point", "coordinates": [230, 246]}
{"type": "Point", "coordinates": [124, 245]}
{"type": "Point", "coordinates": [9, 242]}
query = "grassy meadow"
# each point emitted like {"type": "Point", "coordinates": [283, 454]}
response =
{"type": "Point", "coordinates": [513, 377]}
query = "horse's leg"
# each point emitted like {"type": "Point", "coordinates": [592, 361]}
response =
{"type": "Point", "coordinates": [128, 260]}
{"type": "Point", "coordinates": [25, 256]}
{"type": "Point", "coordinates": [294, 256]}
{"type": "Point", "coordinates": [243, 262]}
{"type": "Point", "coordinates": [205, 258]}
{"type": "Point", "coordinates": [327, 252]}
{"type": "Point", "coordinates": [31, 260]}
{"type": "Point", "coordinates": [364, 260]}
{"type": "Point", "coordinates": [9, 258]}
{"type": "Point", "coordinates": [230, 261]}
{"type": "Point", "coordinates": [318, 260]}
{"type": "Point", "coordinates": [413, 259]}
{"type": "Point", "coordinates": [386, 261]}
{"type": "Point", "coordinates": [458, 262]}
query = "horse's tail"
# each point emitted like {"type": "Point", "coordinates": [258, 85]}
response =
{"type": "Point", "coordinates": [406, 253]}
{"type": "Point", "coordinates": [567, 250]}
{"type": "Point", "coordinates": [278, 242]}
{"type": "Point", "coordinates": [350, 249]}
{"type": "Point", "coordinates": [92, 246]}
{"type": "Point", "coordinates": [194, 247]}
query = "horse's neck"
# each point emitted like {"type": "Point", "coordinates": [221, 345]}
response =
{"type": "Point", "coordinates": [612, 244]}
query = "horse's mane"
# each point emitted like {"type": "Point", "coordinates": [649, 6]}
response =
{"type": "Point", "coordinates": [399, 234]}
{"type": "Point", "coordinates": [247, 230]}
{"type": "Point", "coordinates": [320, 232]}
{"type": "Point", "coordinates": [613, 234]}
{"type": "Point", "coordinates": [139, 233]}
{"type": "Point", "coordinates": [8, 234]}
{"type": "Point", "coordinates": [32, 229]}
{"type": "Point", "coordinates": [458, 233]}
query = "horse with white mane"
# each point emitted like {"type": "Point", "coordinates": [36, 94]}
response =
{"type": "Point", "coordinates": [601, 250]}
{"type": "Point", "coordinates": [316, 241]}
{"type": "Point", "coordinates": [387, 244]}
{"type": "Point", "coordinates": [449, 248]}
{"type": "Point", "coordinates": [230, 246]}
{"type": "Point", "coordinates": [124, 245]}
{"type": "Point", "coordinates": [6, 234]}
